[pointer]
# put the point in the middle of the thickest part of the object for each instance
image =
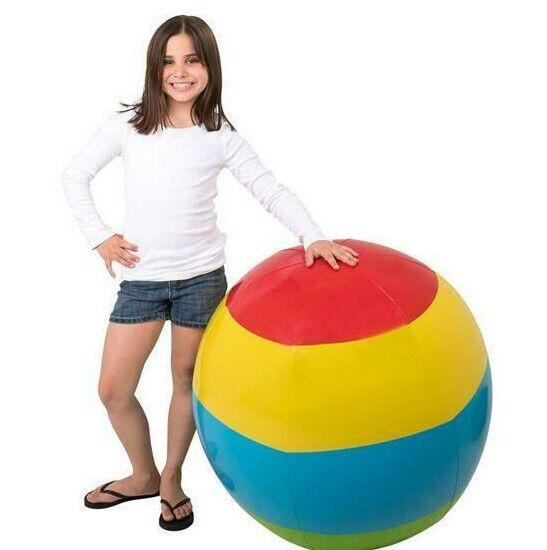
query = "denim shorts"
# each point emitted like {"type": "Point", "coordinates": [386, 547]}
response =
{"type": "Point", "coordinates": [187, 302]}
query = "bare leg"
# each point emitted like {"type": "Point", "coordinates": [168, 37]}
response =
{"type": "Point", "coordinates": [181, 428]}
{"type": "Point", "coordinates": [127, 346]}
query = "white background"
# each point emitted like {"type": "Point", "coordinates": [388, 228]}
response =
{"type": "Point", "coordinates": [420, 125]}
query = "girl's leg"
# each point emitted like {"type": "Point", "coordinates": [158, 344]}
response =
{"type": "Point", "coordinates": [126, 348]}
{"type": "Point", "coordinates": [184, 347]}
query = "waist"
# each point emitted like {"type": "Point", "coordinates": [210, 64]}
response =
{"type": "Point", "coordinates": [159, 266]}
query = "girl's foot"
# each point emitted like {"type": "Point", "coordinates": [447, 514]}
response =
{"type": "Point", "coordinates": [171, 491]}
{"type": "Point", "coordinates": [130, 486]}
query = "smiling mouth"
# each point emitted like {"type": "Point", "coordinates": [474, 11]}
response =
{"type": "Point", "coordinates": [180, 87]}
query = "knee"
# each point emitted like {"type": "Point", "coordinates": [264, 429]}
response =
{"type": "Point", "coordinates": [183, 374]}
{"type": "Point", "coordinates": [113, 396]}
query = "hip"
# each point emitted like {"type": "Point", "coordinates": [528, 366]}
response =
{"type": "Point", "coordinates": [186, 302]}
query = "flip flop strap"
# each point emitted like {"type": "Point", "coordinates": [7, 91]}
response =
{"type": "Point", "coordinates": [103, 489]}
{"type": "Point", "coordinates": [172, 508]}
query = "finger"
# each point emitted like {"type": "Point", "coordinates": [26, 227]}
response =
{"type": "Point", "coordinates": [354, 252]}
{"type": "Point", "coordinates": [127, 244]}
{"type": "Point", "coordinates": [127, 255]}
{"type": "Point", "coordinates": [332, 261]}
{"type": "Point", "coordinates": [309, 258]}
{"type": "Point", "coordinates": [347, 258]}
{"type": "Point", "coordinates": [123, 261]}
{"type": "Point", "coordinates": [108, 264]}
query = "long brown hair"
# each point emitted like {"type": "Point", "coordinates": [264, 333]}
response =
{"type": "Point", "coordinates": [151, 112]}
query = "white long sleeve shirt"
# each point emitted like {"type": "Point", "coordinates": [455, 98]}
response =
{"type": "Point", "coordinates": [170, 186]}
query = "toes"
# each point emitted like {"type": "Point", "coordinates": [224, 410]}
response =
{"type": "Point", "coordinates": [186, 509]}
{"type": "Point", "coordinates": [183, 511]}
{"type": "Point", "coordinates": [168, 516]}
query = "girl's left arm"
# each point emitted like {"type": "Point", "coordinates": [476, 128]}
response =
{"type": "Point", "coordinates": [245, 165]}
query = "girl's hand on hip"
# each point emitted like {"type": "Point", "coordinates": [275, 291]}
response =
{"type": "Point", "coordinates": [330, 251]}
{"type": "Point", "coordinates": [116, 248]}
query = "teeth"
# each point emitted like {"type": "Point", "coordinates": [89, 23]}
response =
{"type": "Point", "coordinates": [181, 86]}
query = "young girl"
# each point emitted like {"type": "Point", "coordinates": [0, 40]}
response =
{"type": "Point", "coordinates": [174, 142]}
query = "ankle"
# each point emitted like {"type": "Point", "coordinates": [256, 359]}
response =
{"type": "Point", "coordinates": [171, 472]}
{"type": "Point", "coordinates": [146, 475]}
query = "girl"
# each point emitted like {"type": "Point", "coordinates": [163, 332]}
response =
{"type": "Point", "coordinates": [174, 142]}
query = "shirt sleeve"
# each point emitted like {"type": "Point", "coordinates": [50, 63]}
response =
{"type": "Point", "coordinates": [103, 146]}
{"type": "Point", "coordinates": [245, 165]}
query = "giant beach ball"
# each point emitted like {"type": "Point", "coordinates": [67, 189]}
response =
{"type": "Point", "coordinates": [343, 409]}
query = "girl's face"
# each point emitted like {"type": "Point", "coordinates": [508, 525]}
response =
{"type": "Point", "coordinates": [184, 75]}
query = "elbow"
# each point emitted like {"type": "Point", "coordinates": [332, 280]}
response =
{"type": "Point", "coordinates": [67, 182]}
{"type": "Point", "coordinates": [271, 200]}
{"type": "Point", "coordinates": [72, 177]}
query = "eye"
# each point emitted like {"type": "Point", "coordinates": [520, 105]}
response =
{"type": "Point", "coordinates": [166, 61]}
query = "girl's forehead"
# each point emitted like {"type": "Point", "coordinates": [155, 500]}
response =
{"type": "Point", "coordinates": [181, 44]}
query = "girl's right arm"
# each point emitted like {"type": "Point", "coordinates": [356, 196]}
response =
{"type": "Point", "coordinates": [104, 145]}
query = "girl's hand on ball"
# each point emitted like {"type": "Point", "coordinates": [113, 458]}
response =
{"type": "Point", "coordinates": [116, 248]}
{"type": "Point", "coordinates": [331, 251]}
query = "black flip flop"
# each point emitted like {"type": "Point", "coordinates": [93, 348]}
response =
{"type": "Point", "coordinates": [176, 524]}
{"type": "Point", "coordinates": [121, 498]}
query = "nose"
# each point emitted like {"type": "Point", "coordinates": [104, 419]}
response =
{"type": "Point", "coordinates": [180, 69]}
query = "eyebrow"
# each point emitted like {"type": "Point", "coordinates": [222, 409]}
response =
{"type": "Point", "coordinates": [188, 55]}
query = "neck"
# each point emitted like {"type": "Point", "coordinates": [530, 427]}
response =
{"type": "Point", "coordinates": [179, 113]}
